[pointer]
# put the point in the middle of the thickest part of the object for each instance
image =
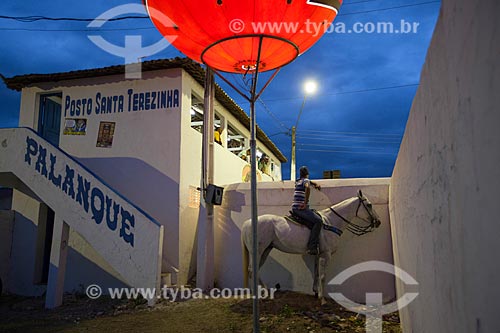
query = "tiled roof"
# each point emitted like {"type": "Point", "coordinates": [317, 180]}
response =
{"type": "Point", "coordinates": [194, 69]}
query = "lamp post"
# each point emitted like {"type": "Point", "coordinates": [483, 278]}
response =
{"type": "Point", "coordinates": [309, 89]}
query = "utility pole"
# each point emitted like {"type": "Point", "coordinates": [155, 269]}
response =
{"type": "Point", "coordinates": [294, 142]}
{"type": "Point", "coordinates": [309, 89]}
{"type": "Point", "coordinates": [292, 160]}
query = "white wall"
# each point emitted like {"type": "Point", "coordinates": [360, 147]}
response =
{"type": "Point", "coordinates": [444, 189]}
{"type": "Point", "coordinates": [294, 272]}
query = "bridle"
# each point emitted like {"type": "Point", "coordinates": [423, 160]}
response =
{"type": "Point", "coordinates": [356, 229]}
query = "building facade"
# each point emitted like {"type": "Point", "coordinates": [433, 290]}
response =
{"type": "Point", "coordinates": [141, 139]}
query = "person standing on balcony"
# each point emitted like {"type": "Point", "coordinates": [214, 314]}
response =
{"type": "Point", "coordinates": [218, 135]}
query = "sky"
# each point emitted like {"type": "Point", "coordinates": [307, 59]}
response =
{"type": "Point", "coordinates": [353, 123]}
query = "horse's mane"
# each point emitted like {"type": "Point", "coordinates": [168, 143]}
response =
{"type": "Point", "coordinates": [343, 203]}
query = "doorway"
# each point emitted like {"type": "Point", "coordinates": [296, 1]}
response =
{"type": "Point", "coordinates": [49, 119]}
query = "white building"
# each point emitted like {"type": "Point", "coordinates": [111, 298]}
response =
{"type": "Point", "coordinates": [112, 165]}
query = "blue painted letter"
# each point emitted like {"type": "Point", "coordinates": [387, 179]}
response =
{"type": "Point", "coordinates": [112, 223]}
{"type": "Point", "coordinates": [82, 196]}
{"type": "Point", "coordinates": [41, 162]}
{"type": "Point", "coordinates": [97, 213]}
{"type": "Point", "coordinates": [129, 238]}
{"type": "Point", "coordinates": [68, 186]}
{"type": "Point", "coordinates": [31, 149]}
{"type": "Point", "coordinates": [55, 180]}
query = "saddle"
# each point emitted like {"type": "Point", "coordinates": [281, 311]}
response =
{"type": "Point", "coordinates": [298, 220]}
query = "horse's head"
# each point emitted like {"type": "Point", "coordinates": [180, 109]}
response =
{"type": "Point", "coordinates": [357, 209]}
{"type": "Point", "coordinates": [369, 215]}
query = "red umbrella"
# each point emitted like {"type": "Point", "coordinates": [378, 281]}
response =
{"type": "Point", "coordinates": [225, 34]}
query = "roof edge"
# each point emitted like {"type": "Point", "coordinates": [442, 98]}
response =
{"type": "Point", "coordinates": [194, 69]}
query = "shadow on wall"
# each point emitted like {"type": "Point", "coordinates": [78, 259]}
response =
{"type": "Point", "coordinates": [236, 201]}
{"type": "Point", "coordinates": [228, 245]}
{"type": "Point", "coordinates": [22, 259]}
{"type": "Point", "coordinates": [273, 272]}
{"type": "Point", "coordinates": [139, 182]}
{"type": "Point", "coordinates": [188, 241]}
{"type": "Point", "coordinates": [5, 198]}
{"type": "Point", "coordinates": [149, 189]}
{"type": "Point", "coordinates": [82, 272]}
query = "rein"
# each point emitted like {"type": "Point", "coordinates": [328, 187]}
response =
{"type": "Point", "coordinates": [355, 228]}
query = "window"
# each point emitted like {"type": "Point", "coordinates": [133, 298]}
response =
{"type": "Point", "coordinates": [197, 108]}
{"type": "Point", "coordinates": [196, 113]}
{"type": "Point", "coordinates": [235, 140]}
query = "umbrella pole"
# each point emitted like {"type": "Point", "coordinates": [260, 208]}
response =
{"type": "Point", "coordinates": [253, 186]}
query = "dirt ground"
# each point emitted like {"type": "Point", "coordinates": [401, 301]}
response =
{"type": "Point", "coordinates": [288, 312]}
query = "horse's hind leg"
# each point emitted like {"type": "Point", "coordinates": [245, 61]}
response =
{"type": "Point", "coordinates": [263, 258]}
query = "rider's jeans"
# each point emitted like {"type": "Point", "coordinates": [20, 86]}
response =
{"type": "Point", "coordinates": [312, 217]}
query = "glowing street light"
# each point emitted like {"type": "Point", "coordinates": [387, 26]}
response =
{"type": "Point", "coordinates": [310, 88]}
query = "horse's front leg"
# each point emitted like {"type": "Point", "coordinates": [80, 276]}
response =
{"type": "Point", "coordinates": [322, 260]}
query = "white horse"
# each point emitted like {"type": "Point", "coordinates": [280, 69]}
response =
{"type": "Point", "coordinates": [276, 232]}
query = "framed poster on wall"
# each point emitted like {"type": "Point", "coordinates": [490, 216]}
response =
{"type": "Point", "coordinates": [105, 135]}
{"type": "Point", "coordinates": [75, 126]}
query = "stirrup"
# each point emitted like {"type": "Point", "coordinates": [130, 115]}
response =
{"type": "Point", "coordinates": [314, 251]}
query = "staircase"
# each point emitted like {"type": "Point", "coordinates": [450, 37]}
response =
{"type": "Point", "coordinates": [124, 235]}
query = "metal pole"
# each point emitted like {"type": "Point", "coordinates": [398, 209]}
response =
{"type": "Point", "coordinates": [205, 252]}
{"type": "Point", "coordinates": [292, 160]}
{"type": "Point", "coordinates": [254, 96]}
{"type": "Point", "coordinates": [294, 129]}
{"type": "Point", "coordinates": [253, 187]}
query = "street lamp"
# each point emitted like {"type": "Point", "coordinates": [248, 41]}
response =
{"type": "Point", "coordinates": [309, 89]}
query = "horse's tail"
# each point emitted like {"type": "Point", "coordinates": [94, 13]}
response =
{"type": "Point", "coordinates": [244, 252]}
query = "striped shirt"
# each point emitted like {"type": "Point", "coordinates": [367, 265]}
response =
{"type": "Point", "coordinates": [299, 196]}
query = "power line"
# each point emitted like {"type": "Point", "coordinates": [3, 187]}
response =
{"type": "Point", "coordinates": [274, 134]}
{"type": "Point", "coordinates": [28, 19]}
{"type": "Point", "coordinates": [350, 139]}
{"type": "Point", "coordinates": [332, 146]}
{"type": "Point", "coordinates": [74, 30]}
{"type": "Point", "coordinates": [352, 133]}
{"type": "Point", "coordinates": [389, 8]}
{"type": "Point", "coordinates": [34, 18]}
{"type": "Point", "coordinates": [348, 92]}
{"type": "Point", "coordinates": [354, 3]}
{"type": "Point", "coordinates": [273, 115]}
{"type": "Point", "coordinates": [348, 152]}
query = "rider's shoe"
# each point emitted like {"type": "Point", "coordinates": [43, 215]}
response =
{"type": "Point", "coordinates": [313, 251]}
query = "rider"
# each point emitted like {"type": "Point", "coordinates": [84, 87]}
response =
{"type": "Point", "coordinates": [300, 207]}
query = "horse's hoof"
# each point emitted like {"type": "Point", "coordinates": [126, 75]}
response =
{"type": "Point", "coordinates": [323, 301]}
{"type": "Point", "coordinates": [316, 295]}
